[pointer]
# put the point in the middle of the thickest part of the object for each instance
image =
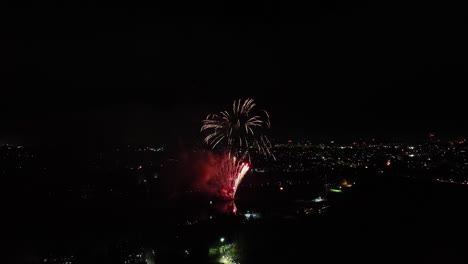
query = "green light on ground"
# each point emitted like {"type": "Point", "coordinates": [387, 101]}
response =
{"type": "Point", "coordinates": [226, 260]}
{"type": "Point", "coordinates": [224, 254]}
{"type": "Point", "coordinates": [335, 190]}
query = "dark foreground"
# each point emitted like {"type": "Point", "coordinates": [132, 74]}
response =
{"type": "Point", "coordinates": [380, 219]}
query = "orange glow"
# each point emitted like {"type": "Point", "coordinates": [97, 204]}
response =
{"type": "Point", "coordinates": [345, 183]}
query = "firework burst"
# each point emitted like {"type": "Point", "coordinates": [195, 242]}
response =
{"type": "Point", "coordinates": [238, 130]}
{"type": "Point", "coordinates": [236, 133]}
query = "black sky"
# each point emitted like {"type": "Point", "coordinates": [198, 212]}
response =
{"type": "Point", "coordinates": [75, 72]}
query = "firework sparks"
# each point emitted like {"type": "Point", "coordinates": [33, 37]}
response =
{"type": "Point", "coordinates": [244, 167]}
{"type": "Point", "coordinates": [230, 173]}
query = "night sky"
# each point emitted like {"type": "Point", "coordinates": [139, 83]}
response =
{"type": "Point", "coordinates": [79, 74]}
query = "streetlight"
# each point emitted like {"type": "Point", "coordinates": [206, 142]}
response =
{"type": "Point", "coordinates": [221, 239]}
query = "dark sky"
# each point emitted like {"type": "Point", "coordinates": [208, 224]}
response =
{"type": "Point", "coordinates": [78, 73]}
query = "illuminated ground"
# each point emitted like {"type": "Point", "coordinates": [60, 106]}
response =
{"type": "Point", "coordinates": [226, 253]}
